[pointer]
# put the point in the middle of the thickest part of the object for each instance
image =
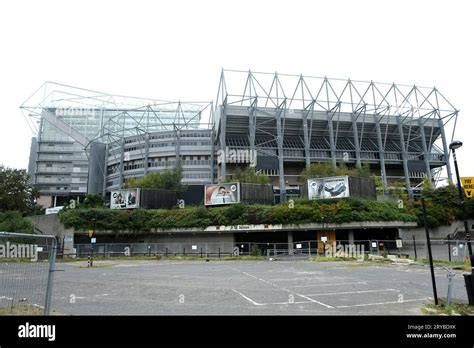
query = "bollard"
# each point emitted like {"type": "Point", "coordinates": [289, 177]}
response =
{"type": "Point", "coordinates": [450, 286]}
{"type": "Point", "coordinates": [414, 246]}
{"type": "Point", "coordinates": [449, 248]}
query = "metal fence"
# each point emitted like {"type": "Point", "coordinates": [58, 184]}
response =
{"type": "Point", "coordinates": [452, 250]}
{"type": "Point", "coordinates": [27, 263]}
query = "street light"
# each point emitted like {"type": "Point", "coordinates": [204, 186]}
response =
{"type": "Point", "coordinates": [468, 278]}
{"type": "Point", "coordinates": [456, 144]}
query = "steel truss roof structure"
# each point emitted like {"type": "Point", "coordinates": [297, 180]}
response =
{"type": "Point", "coordinates": [125, 115]}
{"type": "Point", "coordinates": [319, 113]}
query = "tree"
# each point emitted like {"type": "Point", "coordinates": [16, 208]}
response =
{"type": "Point", "coordinates": [12, 221]}
{"type": "Point", "coordinates": [248, 175]}
{"type": "Point", "coordinates": [168, 179]}
{"type": "Point", "coordinates": [15, 192]}
{"type": "Point", "coordinates": [324, 169]}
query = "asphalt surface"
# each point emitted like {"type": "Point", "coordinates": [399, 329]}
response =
{"type": "Point", "coordinates": [246, 288]}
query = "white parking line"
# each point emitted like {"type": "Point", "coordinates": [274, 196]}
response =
{"type": "Point", "coordinates": [266, 304]}
{"type": "Point", "coordinates": [311, 285]}
{"type": "Point", "coordinates": [352, 292]}
{"type": "Point", "coordinates": [384, 303]}
{"type": "Point", "coordinates": [283, 289]}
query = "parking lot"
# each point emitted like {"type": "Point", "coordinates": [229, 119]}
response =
{"type": "Point", "coordinates": [246, 288]}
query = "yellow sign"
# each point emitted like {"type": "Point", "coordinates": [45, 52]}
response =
{"type": "Point", "coordinates": [91, 232]}
{"type": "Point", "coordinates": [468, 185]}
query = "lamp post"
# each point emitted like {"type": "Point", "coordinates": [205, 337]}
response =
{"type": "Point", "coordinates": [468, 278]}
{"type": "Point", "coordinates": [454, 146]}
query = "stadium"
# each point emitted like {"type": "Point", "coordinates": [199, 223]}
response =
{"type": "Point", "coordinates": [91, 142]}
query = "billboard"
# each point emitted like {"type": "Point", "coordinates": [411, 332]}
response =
{"type": "Point", "coordinates": [220, 194]}
{"type": "Point", "coordinates": [330, 187]}
{"type": "Point", "coordinates": [125, 199]}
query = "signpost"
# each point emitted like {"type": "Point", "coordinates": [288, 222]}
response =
{"type": "Point", "coordinates": [468, 185]}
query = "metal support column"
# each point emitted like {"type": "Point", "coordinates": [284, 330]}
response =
{"type": "Point", "coordinates": [356, 139]}
{"type": "Point", "coordinates": [121, 163]}
{"type": "Point", "coordinates": [404, 156]}
{"type": "Point", "coordinates": [223, 125]}
{"type": "Point", "coordinates": [306, 138]}
{"type": "Point", "coordinates": [381, 153]}
{"type": "Point", "coordinates": [252, 126]}
{"type": "Point", "coordinates": [212, 140]}
{"type": "Point", "coordinates": [281, 172]}
{"type": "Point", "coordinates": [426, 154]}
{"type": "Point", "coordinates": [445, 149]}
{"type": "Point", "coordinates": [177, 145]}
{"type": "Point", "coordinates": [331, 140]}
{"type": "Point", "coordinates": [105, 170]}
{"type": "Point", "coordinates": [147, 153]}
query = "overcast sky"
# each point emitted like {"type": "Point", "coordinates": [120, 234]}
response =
{"type": "Point", "coordinates": [175, 50]}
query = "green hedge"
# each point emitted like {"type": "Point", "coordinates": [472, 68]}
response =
{"type": "Point", "coordinates": [327, 211]}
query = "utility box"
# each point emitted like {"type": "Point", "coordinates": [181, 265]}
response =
{"type": "Point", "coordinates": [469, 281]}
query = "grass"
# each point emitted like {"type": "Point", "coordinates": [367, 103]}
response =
{"type": "Point", "coordinates": [443, 309]}
{"type": "Point", "coordinates": [21, 310]}
{"type": "Point", "coordinates": [331, 259]}
{"type": "Point", "coordinates": [100, 265]}
{"type": "Point", "coordinates": [465, 266]}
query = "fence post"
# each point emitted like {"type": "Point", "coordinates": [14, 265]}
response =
{"type": "Point", "coordinates": [414, 246]}
{"type": "Point", "coordinates": [449, 248]}
{"type": "Point", "coordinates": [201, 252]}
{"type": "Point", "coordinates": [309, 248]}
{"type": "Point", "coordinates": [219, 252]}
{"type": "Point", "coordinates": [184, 251]}
{"type": "Point", "coordinates": [166, 252]}
{"type": "Point", "coordinates": [52, 268]}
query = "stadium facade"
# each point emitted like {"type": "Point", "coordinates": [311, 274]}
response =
{"type": "Point", "coordinates": [89, 142]}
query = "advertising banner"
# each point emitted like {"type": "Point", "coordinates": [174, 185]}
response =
{"type": "Point", "coordinates": [330, 187]}
{"type": "Point", "coordinates": [125, 199]}
{"type": "Point", "coordinates": [220, 194]}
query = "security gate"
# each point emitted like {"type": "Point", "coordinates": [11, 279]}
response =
{"type": "Point", "coordinates": [27, 263]}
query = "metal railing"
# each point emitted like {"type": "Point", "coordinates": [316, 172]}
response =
{"type": "Point", "coordinates": [446, 250]}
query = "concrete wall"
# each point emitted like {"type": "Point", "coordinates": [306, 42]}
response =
{"type": "Point", "coordinates": [160, 243]}
{"type": "Point", "coordinates": [50, 224]}
{"type": "Point", "coordinates": [435, 233]}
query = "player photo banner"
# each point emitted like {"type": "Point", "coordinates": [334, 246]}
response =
{"type": "Point", "coordinates": [330, 187]}
{"type": "Point", "coordinates": [220, 194]}
{"type": "Point", "coordinates": [125, 199]}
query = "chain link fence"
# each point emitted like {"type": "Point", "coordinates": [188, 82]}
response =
{"type": "Point", "coordinates": [27, 263]}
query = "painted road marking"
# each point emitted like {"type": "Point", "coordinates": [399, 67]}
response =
{"type": "Point", "coordinates": [352, 292]}
{"type": "Point", "coordinates": [281, 288]}
{"type": "Point", "coordinates": [384, 303]}
{"type": "Point", "coordinates": [266, 304]}
{"type": "Point", "coordinates": [311, 285]}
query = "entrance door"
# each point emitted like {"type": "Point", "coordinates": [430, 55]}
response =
{"type": "Point", "coordinates": [331, 237]}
